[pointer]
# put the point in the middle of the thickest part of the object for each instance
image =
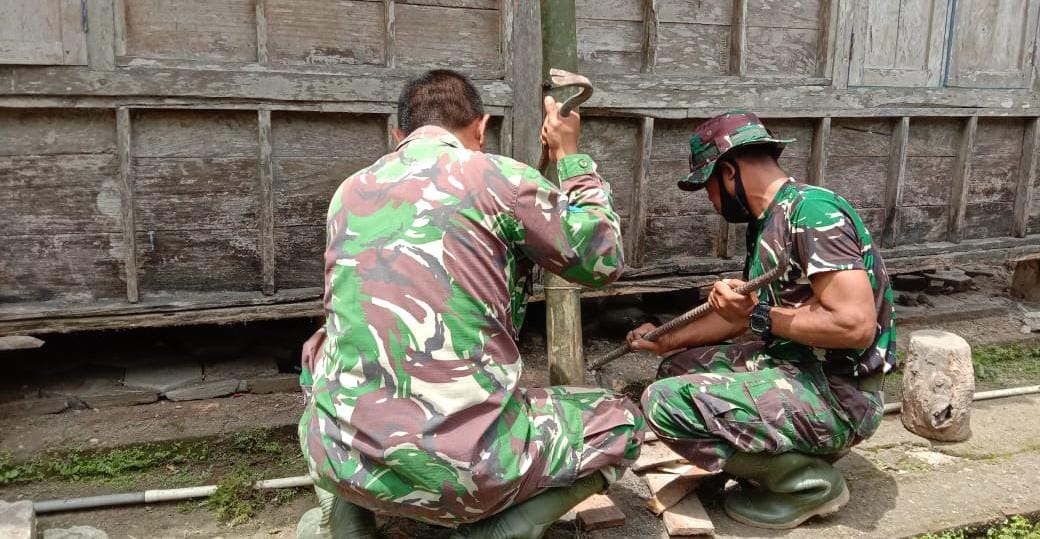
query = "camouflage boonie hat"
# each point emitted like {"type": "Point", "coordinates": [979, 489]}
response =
{"type": "Point", "coordinates": [719, 135]}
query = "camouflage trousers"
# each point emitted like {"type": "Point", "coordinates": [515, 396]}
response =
{"type": "Point", "coordinates": [713, 401]}
{"type": "Point", "coordinates": [549, 437]}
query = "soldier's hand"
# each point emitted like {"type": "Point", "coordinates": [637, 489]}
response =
{"type": "Point", "coordinates": [734, 307]}
{"type": "Point", "coordinates": [636, 342]}
{"type": "Point", "coordinates": [559, 134]}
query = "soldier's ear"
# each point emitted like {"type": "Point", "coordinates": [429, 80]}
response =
{"type": "Point", "coordinates": [399, 135]}
{"type": "Point", "coordinates": [481, 128]}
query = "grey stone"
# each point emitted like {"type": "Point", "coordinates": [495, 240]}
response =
{"type": "Point", "coordinates": [279, 383]}
{"type": "Point", "coordinates": [938, 386]}
{"type": "Point", "coordinates": [19, 342]}
{"type": "Point", "coordinates": [909, 282]}
{"type": "Point", "coordinates": [17, 520]}
{"type": "Point", "coordinates": [35, 406]}
{"type": "Point", "coordinates": [1032, 320]}
{"type": "Point", "coordinates": [241, 369]}
{"type": "Point", "coordinates": [120, 397]}
{"type": "Point", "coordinates": [163, 378]}
{"type": "Point", "coordinates": [955, 280]}
{"type": "Point", "coordinates": [204, 390]}
{"type": "Point", "coordinates": [75, 532]}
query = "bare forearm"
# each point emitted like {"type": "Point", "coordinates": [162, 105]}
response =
{"type": "Point", "coordinates": [711, 329]}
{"type": "Point", "coordinates": [814, 325]}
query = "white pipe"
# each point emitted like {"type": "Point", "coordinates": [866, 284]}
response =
{"type": "Point", "coordinates": [162, 495]}
{"type": "Point", "coordinates": [985, 395]}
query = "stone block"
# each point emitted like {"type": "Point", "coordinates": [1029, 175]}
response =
{"type": "Point", "coordinates": [120, 397]}
{"type": "Point", "coordinates": [279, 383]}
{"type": "Point", "coordinates": [75, 532]}
{"type": "Point", "coordinates": [163, 378]}
{"type": "Point", "coordinates": [1025, 281]}
{"type": "Point", "coordinates": [204, 390]}
{"type": "Point", "coordinates": [17, 520]}
{"type": "Point", "coordinates": [1032, 320]}
{"type": "Point", "coordinates": [241, 368]}
{"type": "Point", "coordinates": [938, 386]}
{"type": "Point", "coordinates": [19, 342]}
{"type": "Point", "coordinates": [954, 280]}
{"type": "Point", "coordinates": [34, 406]}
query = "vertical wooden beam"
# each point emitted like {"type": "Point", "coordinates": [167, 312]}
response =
{"type": "Point", "coordinates": [119, 26]}
{"type": "Point", "coordinates": [827, 38]}
{"type": "Point", "coordinates": [651, 26]}
{"type": "Point", "coordinates": [527, 80]}
{"type": "Point", "coordinates": [505, 11]}
{"type": "Point", "coordinates": [562, 298]}
{"type": "Point", "coordinates": [1027, 175]}
{"type": "Point", "coordinates": [818, 152]}
{"type": "Point", "coordinates": [126, 197]}
{"type": "Point", "coordinates": [841, 53]}
{"type": "Point", "coordinates": [101, 35]}
{"type": "Point", "coordinates": [505, 133]}
{"type": "Point", "coordinates": [391, 123]}
{"type": "Point", "coordinates": [722, 239]}
{"type": "Point", "coordinates": [959, 196]}
{"type": "Point", "coordinates": [738, 39]}
{"type": "Point", "coordinates": [266, 202]}
{"type": "Point", "coordinates": [261, 31]}
{"type": "Point", "coordinates": [635, 238]}
{"type": "Point", "coordinates": [894, 182]}
{"type": "Point", "coordinates": [390, 33]}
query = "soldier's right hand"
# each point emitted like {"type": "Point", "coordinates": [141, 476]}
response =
{"type": "Point", "coordinates": [559, 133]}
{"type": "Point", "coordinates": [636, 342]}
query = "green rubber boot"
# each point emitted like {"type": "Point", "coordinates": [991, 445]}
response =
{"type": "Point", "coordinates": [529, 519]}
{"type": "Point", "coordinates": [335, 518]}
{"type": "Point", "coordinates": [792, 488]}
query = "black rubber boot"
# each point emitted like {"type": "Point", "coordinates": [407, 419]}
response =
{"type": "Point", "coordinates": [529, 519]}
{"type": "Point", "coordinates": [791, 488]}
{"type": "Point", "coordinates": [336, 518]}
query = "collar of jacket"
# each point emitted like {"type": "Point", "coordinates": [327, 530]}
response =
{"type": "Point", "coordinates": [433, 133]}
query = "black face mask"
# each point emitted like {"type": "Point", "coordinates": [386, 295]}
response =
{"type": "Point", "coordinates": [735, 209]}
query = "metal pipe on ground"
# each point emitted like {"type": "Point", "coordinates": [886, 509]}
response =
{"type": "Point", "coordinates": [152, 496]}
{"type": "Point", "coordinates": [894, 407]}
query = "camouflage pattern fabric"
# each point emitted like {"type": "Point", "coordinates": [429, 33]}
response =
{"type": "Point", "coordinates": [821, 232]}
{"type": "Point", "coordinates": [714, 401]}
{"type": "Point", "coordinates": [414, 407]}
{"type": "Point", "coordinates": [784, 395]}
{"type": "Point", "coordinates": [719, 135]}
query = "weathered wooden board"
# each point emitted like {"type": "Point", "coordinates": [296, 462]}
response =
{"type": "Point", "coordinates": [56, 131]}
{"type": "Point", "coordinates": [694, 49]}
{"type": "Point", "coordinates": [609, 142]}
{"type": "Point", "coordinates": [857, 162]}
{"type": "Point", "coordinates": [196, 193]}
{"type": "Point", "coordinates": [899, 42]}
{"type": "Point", "coordinates": [325, 33]}
{"type": "Point", "coordinates": [993, 43]}
{"type": "Point", "coordinates": [171, 133]}
{"type": "Point", "coordinates": [609, 46]}
{"type": "Point", "coordinates": [784, 14]}
{"type": "Point", "coordinates": [198, 260]}
{"type": "Point", "coordinates": [682, 235]}
{"type": "Point", "coordinates": [613, 10]}
{"type": "Point", "coordinates": [66, 267]}
{"type": "Point", "coordinates": [198, 30]}
{"type": "Point", "coordinates": [465, 39]}
{"type": "Point", "coordinates": [58, 194]}
{"type": "Point", "coordinates": [993, 178]}
{"type": "Point", "coordinates": [695, 12]}
{"type": "Point", "coordinates": [299, 256]}
{"type": "Point", "coordinates": [43, 32]}
{"type": "Point", "coordinates": [787, 52]}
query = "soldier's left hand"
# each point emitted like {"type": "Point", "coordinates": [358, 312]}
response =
{"type": "Point", "coordinates": [734, 307]}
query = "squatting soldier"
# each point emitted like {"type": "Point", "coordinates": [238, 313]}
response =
{"type": "Point", "coordinates": [809, 384]}
{"type": "Point", "coordinates": [414, 408]}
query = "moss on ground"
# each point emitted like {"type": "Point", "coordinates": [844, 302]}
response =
{"type": "Point", "coordinates": [1016, 527]}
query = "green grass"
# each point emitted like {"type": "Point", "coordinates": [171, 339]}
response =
{"type": "Point", "coordinates": [1016, 527]}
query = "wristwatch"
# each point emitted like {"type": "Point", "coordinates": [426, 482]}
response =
{"type": "Point", "coordinates": [760, 322]}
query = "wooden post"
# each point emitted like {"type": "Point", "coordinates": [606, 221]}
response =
{"type": "Point", "coordinates": [266, 237]}
{"type": "Point", "coordinates": [261, 31]}
{"type": "Point", "coordinates": [562, 299]}
{"type": "Point", "coordinates": [527, 80]}
{"type": "Point", "coordinates": [390, 33]}
{"type": "Point", "coordinates": [101, 35]}
{"type": "Point", "coordinates": [959, 191]}
{"type": "Point", "coordinates": [650, 31]}
{"type": "Point", "coordinates": [126, 196]}
{"type": "Point", "coordinates": [1027, 172]}
{"type": "Point", "coordinates": [738, 40]}
{"type": "Point", "coordinates": [635, 251]}
{"type": "Point", "coordinates": [818, 152]}
{"type": "Point", "coordinates": [894, 185]}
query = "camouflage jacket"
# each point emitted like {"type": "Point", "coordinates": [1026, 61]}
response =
{"type": "Point", "coordinates": [821, 232]}
{"type": "Point", "coordinates": [428, 253]}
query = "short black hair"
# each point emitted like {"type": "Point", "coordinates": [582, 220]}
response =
{"type": "Point", "coordinates": [438, 97]}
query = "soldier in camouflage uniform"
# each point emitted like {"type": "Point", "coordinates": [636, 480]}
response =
{"type": "Point", "coordinates": [809, 383]}
{"type": "Point", "coordinates": [414, 407]}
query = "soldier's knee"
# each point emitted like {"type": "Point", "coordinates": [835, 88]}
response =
{"type": "Point", "coordinates": [655, 402]}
